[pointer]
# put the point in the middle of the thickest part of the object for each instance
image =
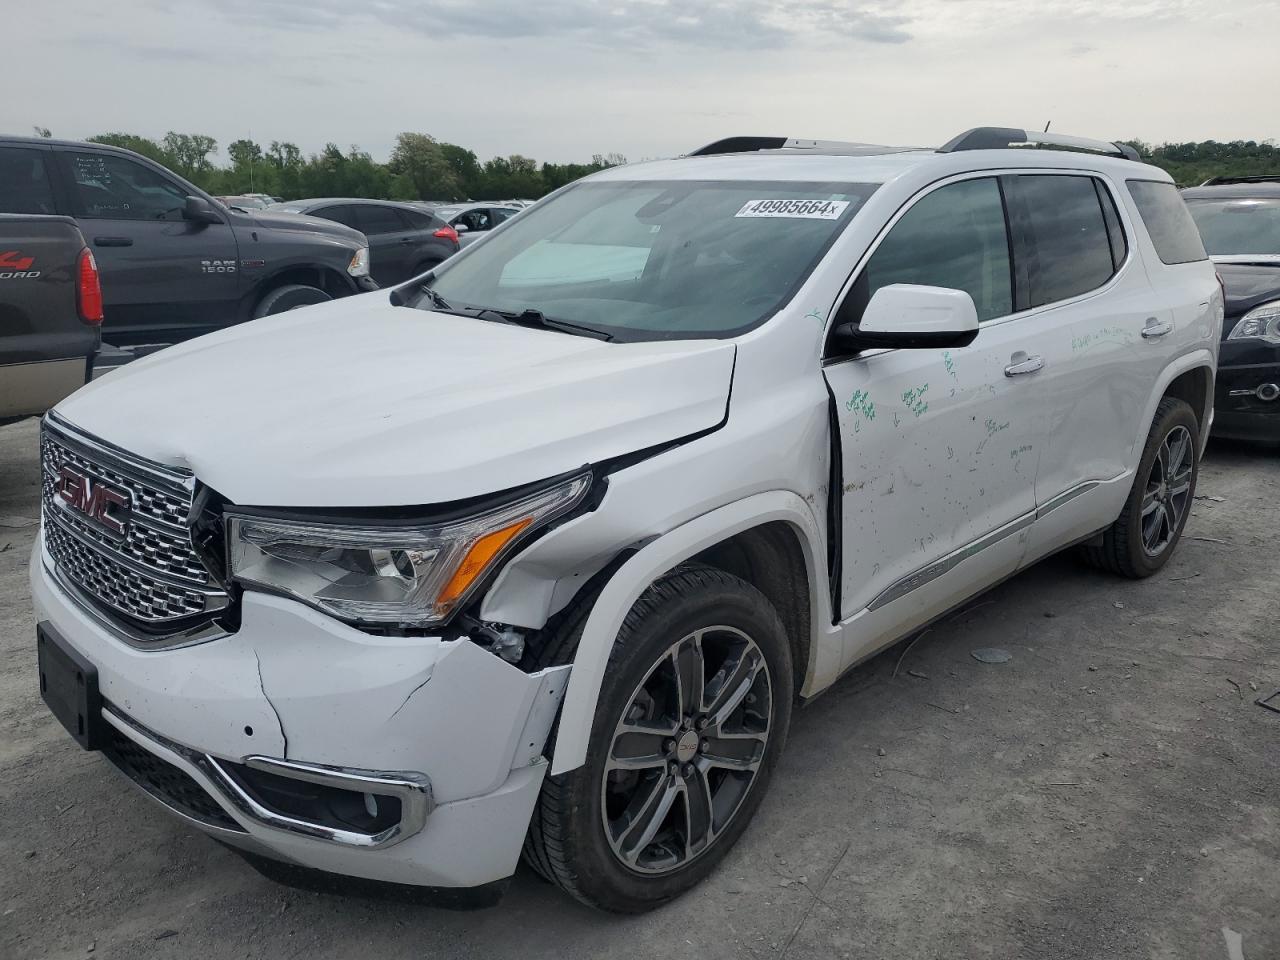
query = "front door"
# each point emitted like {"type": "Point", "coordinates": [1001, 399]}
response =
{"type": "Point", "coordinates": [164, 278]}
{"type": "Point", "coordinates": [939, 447]}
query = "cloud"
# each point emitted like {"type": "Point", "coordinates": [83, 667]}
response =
{"type": "Point", "coordinates": [622, 25]}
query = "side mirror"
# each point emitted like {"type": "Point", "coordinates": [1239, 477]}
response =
{"type": "Point", "coordinates": [461, 228]}
{"type": "Point", "coordinates": [200, 210]}
{"type": "Point", "coordinates": [906, 316]}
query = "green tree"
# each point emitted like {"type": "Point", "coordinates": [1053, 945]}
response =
{"type": "Point", "coordinates": [189, 154]}
{"type": "Point", "coordinates": [422, 163]}
{"type": "Point", "coordinates": [43, 132]}
{"type": "Point", "coordinates": [130, 141]}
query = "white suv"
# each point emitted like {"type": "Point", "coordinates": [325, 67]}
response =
{"type": "Point", "coordinates": [540, 550]}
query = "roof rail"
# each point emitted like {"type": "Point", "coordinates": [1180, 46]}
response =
{"type": "Point", "coordinates": [1000, 138]}
{"type": "Point", "coordinates": [1221, 181]}
{"type": "Point", "coordinates": [820, 147]}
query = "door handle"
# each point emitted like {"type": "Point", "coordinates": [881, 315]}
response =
{"type": "Point", "coordinates": [113, 241]}
{"type": "Point", "coordinates": [1021, 364]}
{"type": "Point", "coordinates": [1156, 328]}
{"type": "Point", "coordinates": [406, 239]}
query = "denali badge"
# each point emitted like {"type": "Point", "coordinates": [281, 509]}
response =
{"type": "Point", "coordinates": [105, 505]}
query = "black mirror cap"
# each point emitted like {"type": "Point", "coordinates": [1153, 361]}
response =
{"type": "Point", "coordinates": [847, 338]}
{"type": "Point", "coordinates": [200, 210]}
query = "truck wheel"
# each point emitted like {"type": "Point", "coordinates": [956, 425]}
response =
{"type": "Point", "coordinates": [1142, 539]}
{"type": "Point", "coordinates": [289, 297]}
{"type": "Point", "coordinates": [692, 716]}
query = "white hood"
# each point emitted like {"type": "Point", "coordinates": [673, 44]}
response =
{"type": "Point", "coordinates": [360, 403]}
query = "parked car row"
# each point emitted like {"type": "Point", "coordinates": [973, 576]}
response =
{"type": "Point", "coordinates": [535, 556]}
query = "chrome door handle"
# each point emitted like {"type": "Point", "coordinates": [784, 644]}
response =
{"type": "Point", "coordinates": [1022, 364]}
{"type": "Point", "coordinates": [1156, 328]}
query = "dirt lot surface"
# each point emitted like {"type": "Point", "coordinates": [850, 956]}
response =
{"type": "Point", "coordinates": [1110, 792]}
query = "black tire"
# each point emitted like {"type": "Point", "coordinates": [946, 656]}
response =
{"type": "Point", "coordinates": [423, 267]}
{"type": "Point", "coordinates": [567, 842]}
{"type": "Point", "coordinates": [1125, 549]}
{"type": "Point", "coordinates": [289, 297]}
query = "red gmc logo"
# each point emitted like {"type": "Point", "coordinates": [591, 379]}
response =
{"type": "Point", "coordinates": [108, 507]}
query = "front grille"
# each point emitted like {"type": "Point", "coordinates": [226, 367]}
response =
{"type": "Point", "coordinates": [150, 573]}
{"type": "Point", "coordinates": [165, 782]}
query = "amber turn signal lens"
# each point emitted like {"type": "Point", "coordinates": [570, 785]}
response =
{"type": "Point", "coordinates": [476, 562]}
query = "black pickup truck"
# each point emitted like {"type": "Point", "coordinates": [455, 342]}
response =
{"type": "Point", "coordinates": [175, 262]}
{"type": "Point", "coordinates": [50, 313]}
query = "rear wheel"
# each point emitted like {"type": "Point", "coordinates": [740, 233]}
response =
{"type": "Point", "coordinates": [692, 716]}
{"type": "Point", "coordinates": [423, 267]}
{"type": "Point", "coordinates": [1143, 538]}
{"type": "Point", "coordinates": [289, 297]}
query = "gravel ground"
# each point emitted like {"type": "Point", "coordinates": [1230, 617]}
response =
{"type": "Point", "coordinates": [1110, 792]}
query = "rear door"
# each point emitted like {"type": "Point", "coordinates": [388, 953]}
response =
{"type": "Point", "coordinates": [164, 278]}
{"type": "Point", "coordinates": [26, 179]}
{"type": "Point", "coordinates": [391, 242]}
{"type": "Point", "coordinates": [1079, 280]}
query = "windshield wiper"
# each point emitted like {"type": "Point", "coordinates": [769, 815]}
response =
{"type": "Point", "coordinates": [538, 320]}
{"type": "Point", "coordinates": [437, 301]}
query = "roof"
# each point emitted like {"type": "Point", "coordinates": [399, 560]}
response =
{"type": "Point", "coordinates": [317, 201]}
{"type": "Point", "coordinates": [1234, 191]}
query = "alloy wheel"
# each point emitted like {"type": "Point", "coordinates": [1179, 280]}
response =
{"type": "Point", "coordinates": [687, 750]}
{"type": "Point", "coordinates": [1168, 491]}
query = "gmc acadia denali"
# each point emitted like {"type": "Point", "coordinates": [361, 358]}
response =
{"type": "Point", "coordinates": [539, 551]}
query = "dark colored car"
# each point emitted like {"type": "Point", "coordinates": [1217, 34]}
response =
{"type": "Point", "coordinates": [175, 262]}
{"type": "Point", "coordinates": [1239, 221]}
{"type": "Point", "coordinates": [50, 313]}
{"type": "Point", "coordinates": [404, 239]}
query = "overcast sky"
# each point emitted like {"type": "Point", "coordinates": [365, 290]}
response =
{"type": "Point", "coordinates": [563, 79]}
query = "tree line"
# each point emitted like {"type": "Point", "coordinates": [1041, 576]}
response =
{"type": "Point", "coordinates": [424, 168]}
{"type": "Point", "coordinates": [420, 168]}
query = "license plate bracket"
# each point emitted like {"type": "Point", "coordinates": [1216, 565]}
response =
{"type": "Point", "coordinates": [69, 688]}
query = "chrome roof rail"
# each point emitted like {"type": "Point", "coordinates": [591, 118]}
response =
{"type": "Point", "coordinates": [1001, 138]}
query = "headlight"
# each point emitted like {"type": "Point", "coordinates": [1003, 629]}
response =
{"type": "Point", "coordinates": [392, 573]}
{"type": "Point", "coordinates": [1260, 323]}
{"type": "Point", "coordinates": [359, 265]}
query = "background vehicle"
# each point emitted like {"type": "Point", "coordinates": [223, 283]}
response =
{"type": "Point", "coordinates": [1239, 221]}
{"type": "Point", "coordinates": [175, 263]}
{"type": "Point", "coordinates": [50, 313]}
{"type": "Point", "coordinates": [474, 220]}
{"type": "Point", "coordinates": [658, 459]}
{"type": "Point", "coordinates": [404, 239]}
{"type": "Point", "coordinates": [245, 203]}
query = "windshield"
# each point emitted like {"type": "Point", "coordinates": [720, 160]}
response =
{"type": "Point", "coordinates": [655, 260]}
{"type": "Point", "coordinates": [1238, 226]}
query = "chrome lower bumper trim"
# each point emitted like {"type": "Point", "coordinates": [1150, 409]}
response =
{"type": "Point", "coordinates": [412, 789]}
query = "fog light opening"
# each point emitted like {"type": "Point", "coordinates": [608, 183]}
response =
{"type": "Point", "coordinates": [371, 805]}
{"type": "Point", "coordinates": [1268, 392]}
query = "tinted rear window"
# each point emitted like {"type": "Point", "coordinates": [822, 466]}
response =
{"type": "Point", "coordinates": [375, 219]}
{"type": "Point", "coordinates": [1067, 248]}
{"type": "Point", "coordinates": [24, 181]}
{"type": "Point", "coordinates": [1239, 226]}
{"type": "Point", "coordinates": [1172, 230]}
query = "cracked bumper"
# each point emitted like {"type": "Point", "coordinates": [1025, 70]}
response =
{"type": "Point", "coordinates": [297, 686]}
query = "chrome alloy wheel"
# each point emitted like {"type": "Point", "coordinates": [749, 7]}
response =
{"type": "Point", "coordinates": [1168, 492]}
{"type": "Point", "coordinates": [687, 750]}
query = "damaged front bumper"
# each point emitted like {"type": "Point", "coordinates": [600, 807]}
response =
{"type": "Point", "coordinates": [410, 760]}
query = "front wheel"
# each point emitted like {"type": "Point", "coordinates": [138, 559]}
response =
{"type": "Point", "coordinates": [289, 297]}
{"type": "Point", "coordinates": [692, 717]}
{"type": "Point", "coordinates": [1143, 538]}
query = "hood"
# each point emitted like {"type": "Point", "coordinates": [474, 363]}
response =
{"type": "Point", "coordinates": [360, 403]}
{"type": "Point", "coordinates": [1247, 286]}
{"type": "Point", "coordinates": [301, 223]}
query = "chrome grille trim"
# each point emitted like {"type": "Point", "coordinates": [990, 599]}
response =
{"type": "Point", "coordinates": [151, 575]}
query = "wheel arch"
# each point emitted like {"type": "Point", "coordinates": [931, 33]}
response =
{"type": "Point", "coordinates": [1190, 377]}
{"type": "Point", "coordinates": [737, 538]}
{"type": "Point", "coordinates": [331, 281]}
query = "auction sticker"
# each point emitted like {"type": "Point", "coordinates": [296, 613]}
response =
{"type": "Point", "coordinates": [803, 209]}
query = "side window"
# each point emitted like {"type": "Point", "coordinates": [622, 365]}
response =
{"type": "Point", "coordinates": [110, 187]}
{"type": "Point", "coordinates": [476, 220]}
{"type": "Point", "coordinates": [344, 215]}
{"type": "Point", "coordinates": [1115, 230]}
{"type": "Point", "coordinates": [1063, 246]}
{"type": "Point", "coordinates": [374, 219]}
{"type": "Point", "coordinates": [953, 237]}
{"type": "Point", "coordinates": [1168, 221]}
{"type": "Point", "coordinates": [421, 221]}
{"type": "Point", "coordinates": [24, 181]}
{"type": "Point", "coordinates": [502, 214]}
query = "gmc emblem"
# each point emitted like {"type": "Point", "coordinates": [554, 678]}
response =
{"type": "Point", "coordinates": [104, 505]}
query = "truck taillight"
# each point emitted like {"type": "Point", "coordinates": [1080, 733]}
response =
{"type": "Point", "coordinates": [88, 289]}
{"type": "Point", "coordinates": [447, 233]}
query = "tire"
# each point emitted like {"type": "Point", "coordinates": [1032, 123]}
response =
{"type": "Point", "coordinates": [1129, 547]}
{"type": "Point", "coordinates": [289, 297]}
{"type": "Point", "coordinates": [423, 267]}
{"type": "Point", "coordinates": [588, 834]}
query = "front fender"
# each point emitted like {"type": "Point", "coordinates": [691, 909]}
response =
{"type": "Point", "coordinates": [652, 561]}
